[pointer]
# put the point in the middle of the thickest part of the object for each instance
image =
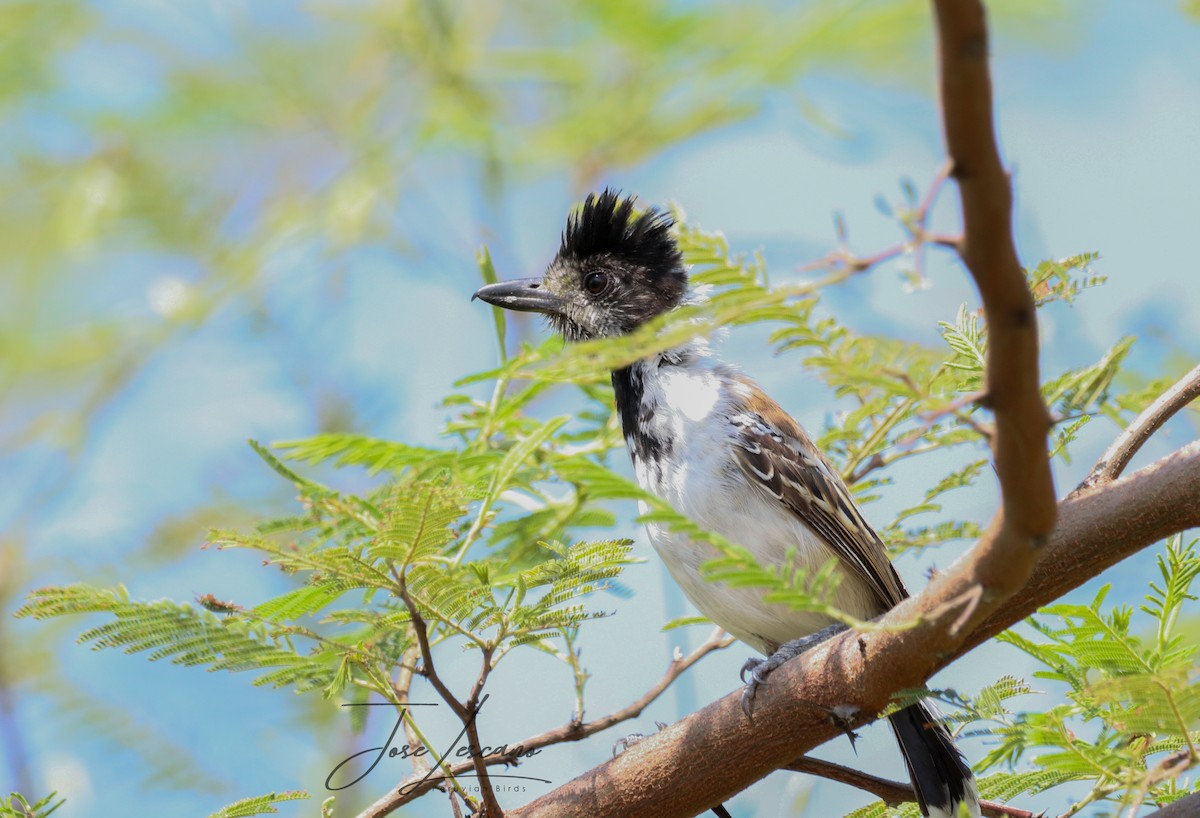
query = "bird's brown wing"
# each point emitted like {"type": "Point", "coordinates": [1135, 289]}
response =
{"type": "Point", "coordinates": [774, 452]}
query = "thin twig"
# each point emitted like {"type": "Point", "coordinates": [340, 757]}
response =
{"type": "Point", "coordinates": [467, 712]}
{"type": "Point", "coordinates": [1117, 456]}
{"type": "Point", "coordinates": [890, 792]}
{"type": "Point", "coordinates": [914, 222]}
{"type": "Point", "coordinates": [1097, 793]}
{"type": "Point", "coordinates": [428, 671]}
{"type": "Point", "coordinates": [415, 786]}
{"type": "Point", "coordinates": [401, 686]}
{"type": "Point", "coordinates": [875, 438]}
{"type": "Point", "coordinates": [935, 189]}
{"type": "Point", "coordinates": [944, 240]}
{"type": "Point", "coordinates": [952, 408]}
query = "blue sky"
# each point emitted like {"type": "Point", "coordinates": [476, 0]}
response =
{"type": "Point", "coordinates": [1100, 125]}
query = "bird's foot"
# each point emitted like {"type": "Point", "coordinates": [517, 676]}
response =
{"type": "Point", "coordinates": [623, 744]}
{"type": "Point", "coordinates": [760, 669]}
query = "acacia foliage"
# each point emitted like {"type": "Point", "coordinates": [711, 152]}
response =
{"type": "Point", "coordinates": [501, 539]}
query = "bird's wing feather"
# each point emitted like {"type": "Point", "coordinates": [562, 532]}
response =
{"type": "Point", "coordinates": [775, 453]}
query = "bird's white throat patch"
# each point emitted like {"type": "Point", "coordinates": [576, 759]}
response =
{"type": "Point", "coordinates": [693, 392]}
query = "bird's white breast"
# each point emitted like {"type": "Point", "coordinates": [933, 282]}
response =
{"type": "Point", "coordinates": [688, 407]}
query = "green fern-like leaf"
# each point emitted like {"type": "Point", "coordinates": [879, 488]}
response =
{"type": "Point", "coordinates": [373, 454]}
{"type": "Point", "coordinates": [418, 521]}
{"type": "Point", "coordinates": [258, 805]}
{"type": "Point", "coordinates": [967, 340]}
{"type": "Point", "coordinates": [1006, 786]}
{"type": "Point", "coordinates": [17, 806]}
{"type": "Point", "coordinates": [185, 635]}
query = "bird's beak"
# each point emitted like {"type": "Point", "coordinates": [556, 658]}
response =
{"type": "Point", "coordinates": [522, 295]}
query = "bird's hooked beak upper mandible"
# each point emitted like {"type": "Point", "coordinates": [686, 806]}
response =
{"type": "Point", "coordinates": [522, 295]}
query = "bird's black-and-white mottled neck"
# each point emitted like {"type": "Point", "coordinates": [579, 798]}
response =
{"type": "Point", "coordinates": [629, 392]}
{"type": "Point", "coordinates": [653, 394]}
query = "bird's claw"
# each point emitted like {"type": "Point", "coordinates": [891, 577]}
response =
{"type": "Point", "coordinates": [623, 744]}
{"type": "Point", "coordinates": [751, 663]}
{"type": "Point", "coordinates": [759, 670]}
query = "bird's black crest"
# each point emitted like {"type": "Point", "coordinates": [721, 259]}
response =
{"type": "Point", "coordinates": [607, 225]}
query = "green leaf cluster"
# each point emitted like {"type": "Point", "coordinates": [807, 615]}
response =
{"type": "Point", "coordinates": [500, 538]}
{"type": "Point", "coordinates": [18, 806]}
{"type": "Point", "coordinates": [1129, 723]}
{"type": "Point", "coordinates": [1132, 700]}
{"type": "Point", "coordinates": [258, 805]}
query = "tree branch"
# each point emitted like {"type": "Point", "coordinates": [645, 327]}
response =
{"type": "Point", "coordinates": [1008, 550]}
{"type": "Point", "coordinates": [715, 753]}
{"type": "Point", "coordinates": [847, 263]}
{"type": "Point", "coordinates": [890, 792]}
{"type": "Point", "coordinates": [417, 785]}
{"type": "Point", "coordinates": [1117, 456]}
{"type": "Point", "coordinates": [1099, 527]}
{"type": "Point", "coordinates": [401, 687]}
{"type": "Point", "coordinates": [466, 713]}
{"type": "Point", "coordinates": [1168, 769]}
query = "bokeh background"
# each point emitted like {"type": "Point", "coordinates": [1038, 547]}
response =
{"type": "Point", "coordinates": [244, 219]}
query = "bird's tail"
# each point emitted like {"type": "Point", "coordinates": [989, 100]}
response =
{"type": "Point", "coordinates": [941, 778]}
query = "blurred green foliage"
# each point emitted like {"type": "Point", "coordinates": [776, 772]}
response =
{"type": "Point", "coordinates": [489, 543]}
{"type": "Point", "coordinates": [133, 215]}
{"type": "Point", "coordinates": [311, 123]}
{"type": "Point", "coordinates": [160, 162]}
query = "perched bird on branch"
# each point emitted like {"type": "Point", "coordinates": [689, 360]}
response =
{"type": "Point", "coordinates": [710, 442]}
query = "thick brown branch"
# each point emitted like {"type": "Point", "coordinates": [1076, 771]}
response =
{"type": "Point", "coordinates": [1100, 527]}
{"type": "Point", "coordinates": [1008, 551]}
{"type": "Point", "coordinates": [716, 752]}
{"type": "Point", "coordinates": [890, 792]}
{"type": "Point", "coordinates": [1117, 456]}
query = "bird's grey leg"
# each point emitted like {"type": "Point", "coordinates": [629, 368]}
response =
{"type": "Point", "coordinates": [760, 669]}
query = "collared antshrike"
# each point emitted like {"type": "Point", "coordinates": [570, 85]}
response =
{"type": "Point", "coordinates": [709, 441]}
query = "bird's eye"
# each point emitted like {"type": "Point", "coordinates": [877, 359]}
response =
{"type": "Point", "coordinates": [596, 283]}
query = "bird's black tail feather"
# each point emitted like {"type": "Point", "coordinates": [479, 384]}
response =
{"type": "Point", "coordinates": [940, 776]}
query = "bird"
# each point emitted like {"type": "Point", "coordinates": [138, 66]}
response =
{"type": "Point", "coordinates": [709, 441]}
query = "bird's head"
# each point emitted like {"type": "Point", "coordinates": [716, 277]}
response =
{"type": "Point", "coordinates": [616, 270]}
